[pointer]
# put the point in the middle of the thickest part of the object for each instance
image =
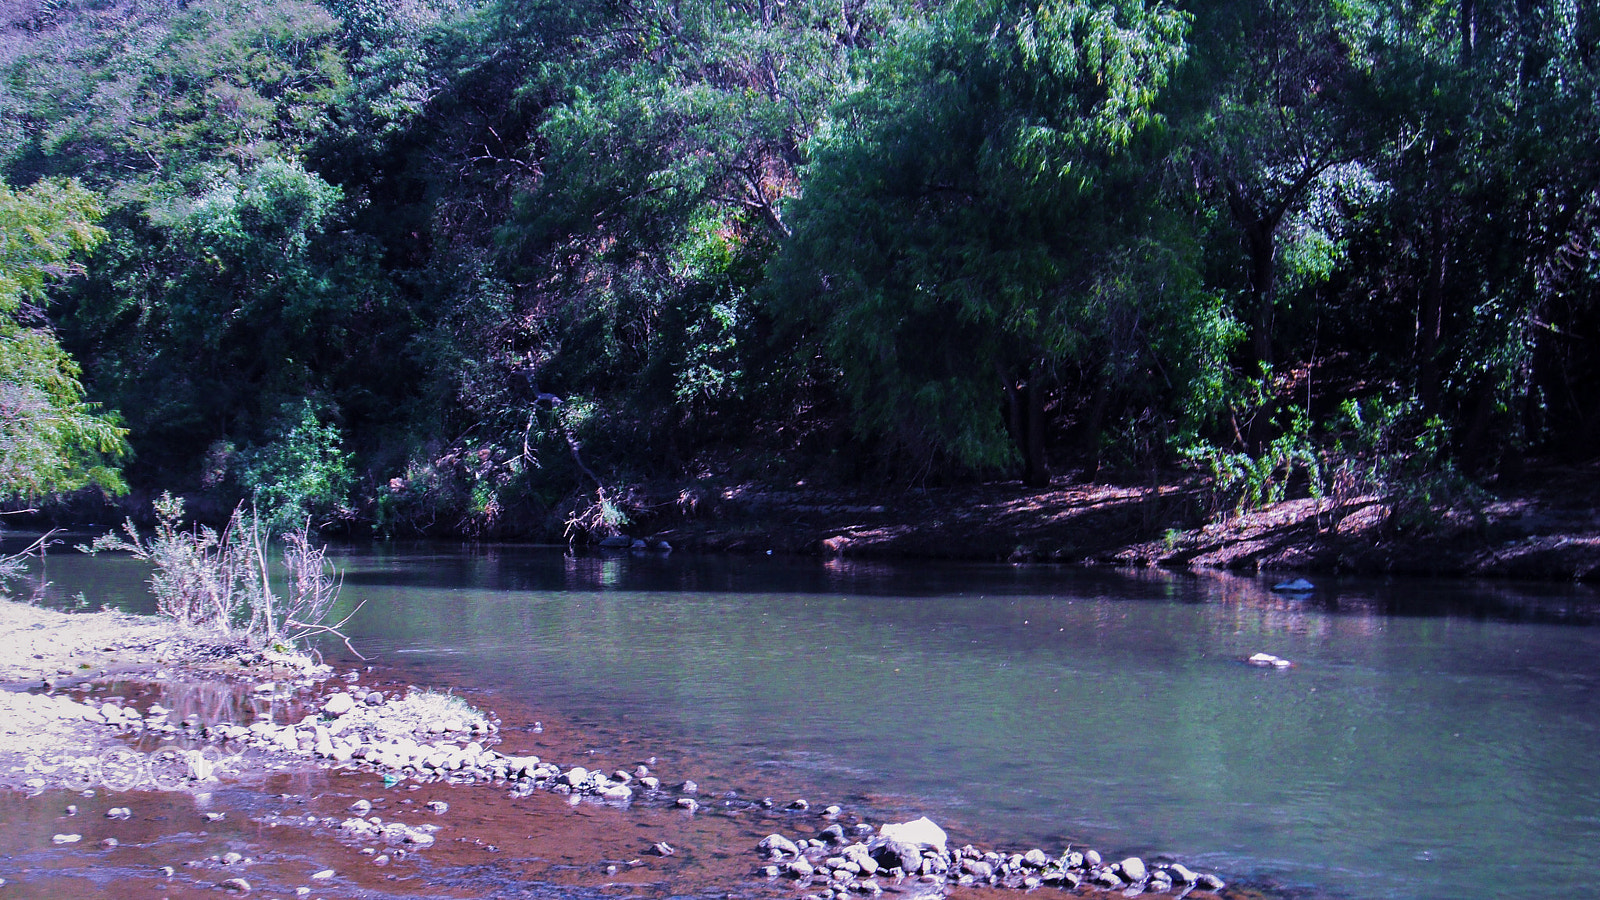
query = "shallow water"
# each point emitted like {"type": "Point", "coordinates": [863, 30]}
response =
{"type": "Point", "coordinates": [1432, 737]}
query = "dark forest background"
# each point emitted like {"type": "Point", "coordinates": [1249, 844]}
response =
{"type": "Point", "coordinates": [483, 268]}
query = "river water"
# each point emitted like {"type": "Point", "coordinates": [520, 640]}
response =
{"type": "Point", "coordinates": [1431, 740]}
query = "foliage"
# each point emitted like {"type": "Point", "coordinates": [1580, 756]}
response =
{"type": "Point", "coordinates": [302, 476]}
{"type": "Point", "coordinates": [978, 218]}
{"type": "Point", "coordinates": [475, 266]}
{"type": "Point", "coordinates": [51, 439]}
{"type": "Point", "coordinates": [221, 581]}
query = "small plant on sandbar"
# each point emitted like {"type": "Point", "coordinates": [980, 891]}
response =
{"type": "Point", "coordinates": [221, 581]}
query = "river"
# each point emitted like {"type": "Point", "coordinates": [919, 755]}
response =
{"type": "Point", "coordinates": [1431, 739]}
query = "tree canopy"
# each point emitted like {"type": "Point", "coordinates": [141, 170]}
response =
{"type": "Point", "coordinates": [477, 265]}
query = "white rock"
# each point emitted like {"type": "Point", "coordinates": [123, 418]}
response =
{"type": "Point", "coordinates": [323, 875]}
{"type": "Point", "coordinates": [1268, 661]}
{"type": "Point", "coordinates": [66, 839]}
{"type": "Point", "coordinates": [921, 833]}
{"type": "Point", "coordinates": [339, 704]}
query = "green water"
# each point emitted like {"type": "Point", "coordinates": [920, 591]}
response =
{"type": "Point", "coordinates": [1431, 740]}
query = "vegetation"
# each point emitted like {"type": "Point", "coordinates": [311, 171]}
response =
{"type": "Point", "coordinates": [479, 266]}
{"type": "Point", "coordinates": [222, 581]}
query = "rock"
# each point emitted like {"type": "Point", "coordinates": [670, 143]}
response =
{"type": "Point", "coordinates": [617, 792]}
{"type": "Point", "coordinates": [109, 843]}
{"type": "Point", "coordinates": [1035, 859]}
{"type": "Point", "coordinates": [373, 698]}
{"type": "Point", "coordinates": [1106, 878]}
{"type": "Point", "coordinates": [1268, 661]}
{"type": "Point", "coordinates": [238, 885]}
{"type": "Point", "coordinates": [662, 848]}
{"type": "Point", "coordinates": [978, 869]}
{"type": "Point", "coordinates": [799, 804]}
{"type": "Point", "coordinates": [777, 846]}
{"type": "Point", "coordinates": [1297, 586]}
{"type": "Point", "coordinates": [324, 875]}
{"type": "Point", "coordinates": [1132, 868]}
{"type": "Point", "coordinates": [1181, 874]}
{"type": "Point", "coordinates": [66, 839]}
{"type": "Point", "coordinates": [1068, 880]}
{"type": "Point", "coordinates": [575, 776]}
{"type": "Point", "coordinates": [361, 807]}
{"type": "Point", "coordinates": [1091, 858]}
{"type": "Point", "coordinates": [801, 867]}
{"type": "Point", "coordinates": [833, 834]}
{"type": "Point", "coordinates": [616, 542]}
{"type": "Point", "coordinates": [688, 803]}
{"type": "Point", "coordinates": [1209, 882]}
{"type": "Point", "coordinates": [922, 833]}
{"type": "Point", "coordinates": [896, 854]}
{"type": "Point", "coordinates": [339, 704]}
{"type": "Point", "coordinates": [119, 812]}
{"type": "Point", "coordinates": [690, 788]}
{"type": "Point", "coordinates": [438, 806]}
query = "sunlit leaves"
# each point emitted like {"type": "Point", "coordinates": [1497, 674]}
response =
{"type": "Point", "coordinates": [51, 439]}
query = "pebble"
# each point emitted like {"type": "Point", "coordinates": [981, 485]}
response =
{"type": "Point", "coordinates": [236, 884]}
{"type": "Point", "coordinates": [662, 848]}
{"type": "Point", "coordinates": [66, 839]}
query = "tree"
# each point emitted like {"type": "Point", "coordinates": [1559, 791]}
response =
{"type": "Point", "coordinates": [979, 237]}
{"type": "Point", "coordinates": [51, 439]}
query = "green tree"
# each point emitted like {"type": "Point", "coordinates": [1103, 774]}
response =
{"type": "Point", "coordinates": [51, 439]}
{"type": "Point", "coordinates": [978, 239]}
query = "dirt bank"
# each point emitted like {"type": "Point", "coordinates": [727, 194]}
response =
{"type": "Point", "coordinates": [1545, 526]}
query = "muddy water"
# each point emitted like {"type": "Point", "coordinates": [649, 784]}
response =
{"type": "Point", "coordinates": [1431, 738]}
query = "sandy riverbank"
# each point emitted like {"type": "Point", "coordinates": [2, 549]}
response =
{"type": "Point", "coordinates": [204, 768]}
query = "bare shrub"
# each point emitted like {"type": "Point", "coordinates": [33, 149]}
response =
{"type": "Point", "coordinates": [222, 581]}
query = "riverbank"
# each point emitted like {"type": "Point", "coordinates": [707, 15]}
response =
{"type": "Point", "coordinates": [1542, 527]}
{"type": "Point", "coordinates": [183, 765]}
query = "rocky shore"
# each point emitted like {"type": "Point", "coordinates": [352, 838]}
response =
{"type": "Point", "coordinates": [86, 720]}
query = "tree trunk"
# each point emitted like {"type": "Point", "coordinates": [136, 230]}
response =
{"type": "Point", "coordinates": [1261, 239]}
{"type": "Point", "coordinates": [1035, 467]}
{"type": "Point", "coordinates": [1025, 420]}
{"type": "Point", "coordinates": [1430, 318]}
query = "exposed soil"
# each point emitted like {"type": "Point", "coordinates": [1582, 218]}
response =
{"type": "Point", "coordinates": [1546, 526]}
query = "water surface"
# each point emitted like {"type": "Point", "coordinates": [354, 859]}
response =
{"type": "Point", "coordinates": [1432, 737]}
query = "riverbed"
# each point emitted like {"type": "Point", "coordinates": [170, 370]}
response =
{"type": "Point", "coordinates": [1429, 738]}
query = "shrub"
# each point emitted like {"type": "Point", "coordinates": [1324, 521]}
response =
{"type": "Point", "coordinates": [221, 581]}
